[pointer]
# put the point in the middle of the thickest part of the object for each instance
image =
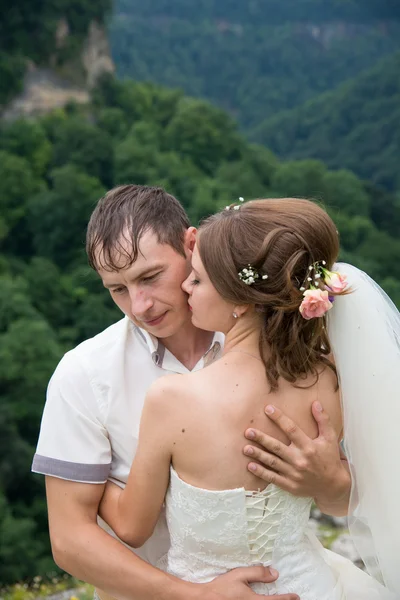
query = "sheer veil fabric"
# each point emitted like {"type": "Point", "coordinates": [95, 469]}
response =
{"type": "Point", "coordinates": [364, 330]}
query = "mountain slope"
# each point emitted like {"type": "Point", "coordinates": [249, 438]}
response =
{"type": "Point", "coordinates": [252, 59]}
{"type": "Point", "coordinates": [357, 126]}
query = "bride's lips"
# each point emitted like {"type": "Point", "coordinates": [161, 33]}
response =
{"type": "Point", "coordinates": [156, 321]}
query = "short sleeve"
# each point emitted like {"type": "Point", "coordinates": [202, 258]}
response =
{"type": "Point", "coordinates": [73, 441]}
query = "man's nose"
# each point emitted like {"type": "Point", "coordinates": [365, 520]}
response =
{"type": "Point", "coordinates": [140, 303]}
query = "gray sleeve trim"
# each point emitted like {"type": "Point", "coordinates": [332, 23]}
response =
{"type": "Point", "coordinates": [71, 471]}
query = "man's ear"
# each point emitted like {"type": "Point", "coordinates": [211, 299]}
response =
{"type": "Point", "coordinates": [190, 239]}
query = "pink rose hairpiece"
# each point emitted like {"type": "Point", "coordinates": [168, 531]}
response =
{"type": "Point", "coordinates": [319, 289]}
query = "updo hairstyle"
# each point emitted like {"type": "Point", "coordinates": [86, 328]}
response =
{"type": "Point", "coordinates": [280, 238]}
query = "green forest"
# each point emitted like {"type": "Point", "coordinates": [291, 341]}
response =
{"type": "Point", "coordinates": [356, 126]}
{"type": "Point", "coordinates": [306, 78]}
{"type": "Point", "coordinates": [252, 68]}
{"type": "Point", "coordinates": [54, 169]}
{"type": "Point", "coordinates": [52, 172]}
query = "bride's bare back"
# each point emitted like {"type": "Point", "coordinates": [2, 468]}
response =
{"type": "Point", "coordinates": [209, 411]}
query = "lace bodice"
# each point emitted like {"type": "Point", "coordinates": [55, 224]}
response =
{"type": "Point", "coordinates": [215, 531]}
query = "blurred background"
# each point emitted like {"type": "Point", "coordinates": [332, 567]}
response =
{"type": "Point", "coordinates": [212, 99]}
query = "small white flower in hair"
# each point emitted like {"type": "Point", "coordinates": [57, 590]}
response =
{"type": "Point", "coordinates": [249, 275]}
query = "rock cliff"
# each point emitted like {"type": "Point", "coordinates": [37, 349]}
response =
{"type": "Point", "coordinates": [53, 86]}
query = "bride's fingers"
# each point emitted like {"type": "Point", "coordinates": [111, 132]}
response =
{"type": "Point", "coordinates": [271, 461]}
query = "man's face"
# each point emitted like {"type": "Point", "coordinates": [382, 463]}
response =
{"type": "Point", "coordinates": [149, 291]}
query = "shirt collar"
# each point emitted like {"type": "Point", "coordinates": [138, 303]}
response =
{"type": "Point", "coordinates": [157, 348]}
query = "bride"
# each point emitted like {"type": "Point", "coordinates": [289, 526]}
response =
{"type": "Point", "coordinates": [299, 329]}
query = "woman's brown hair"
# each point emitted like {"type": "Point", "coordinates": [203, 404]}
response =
{"type": "Point", "coordinates": [280, 238]}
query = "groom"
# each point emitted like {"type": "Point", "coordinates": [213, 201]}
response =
{"type": "Point", "coordinates": [140, 243]}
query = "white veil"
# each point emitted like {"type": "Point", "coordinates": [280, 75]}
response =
{"type": "Point", "coordinates": [364, 330]}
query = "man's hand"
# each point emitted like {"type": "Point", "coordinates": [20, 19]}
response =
{"type": "Point", "coordinates": [307, 467]}
{"type": "Point", "coordinates": [235, 585]}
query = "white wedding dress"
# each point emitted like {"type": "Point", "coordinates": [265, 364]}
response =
{"type": "Point", "coordinates": [213, 532]}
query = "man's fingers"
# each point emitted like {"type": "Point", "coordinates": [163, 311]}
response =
{"type": "Point", "coordinates": [270, 444]}
{"type": "Point", "coordinates": [257, 573]}
{"type": "Point", "coordinates": [271, 461]}
{"type": "Point", "coordinates": [260, 574]}
{"type": "Point", "coordinates": [271, 477]}
{"type": "Point", "coordinates": [289, 427]}
{"type": "Point", "coordinates": [325, 427]}
{"type": "Point", "coordinates": [263, 575]}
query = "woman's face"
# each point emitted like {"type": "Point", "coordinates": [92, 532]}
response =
{"type": "Point", "coordinates": [209, 310]}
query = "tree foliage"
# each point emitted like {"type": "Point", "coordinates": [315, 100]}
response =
{"type": "Point", "coordinates": [356, 127]}
{"type": "Point", "coordinates": [52, 172]}
{"type": "Point", "coordinates": [276, 11]}
{"type": "Point", "coordinates": [307, 78]}
{"type": "Point", "coordinates": [254, 59]}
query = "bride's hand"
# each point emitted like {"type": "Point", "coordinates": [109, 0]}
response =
{"type": "Point", "coordinates": [235, 585]}
{"type": "Point", "coordinates": [307, 467]}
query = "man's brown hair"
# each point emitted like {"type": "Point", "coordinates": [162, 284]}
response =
{"type": "Point", "coordinates": [124, 214]}
{"type": "Point", "coordinates": [280, 238]}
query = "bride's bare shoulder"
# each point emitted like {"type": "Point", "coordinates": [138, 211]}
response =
{"type": "Point", "coordinates": [165, 385]}
{"type": "Point", "coordinates": [170, 386]}
{"type": "Point", "coordinates": [179, 389]}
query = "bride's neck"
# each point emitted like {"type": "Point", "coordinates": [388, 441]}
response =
{"type": "Point", "coordinates": [244, 336]}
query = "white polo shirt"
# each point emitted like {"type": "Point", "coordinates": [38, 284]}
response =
{"type": "Point", "coordinates": [90, 424]}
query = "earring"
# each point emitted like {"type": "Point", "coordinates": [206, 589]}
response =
{"type": "Point", "coordinates": [234, 315]}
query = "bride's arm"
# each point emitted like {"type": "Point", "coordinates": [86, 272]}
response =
{"type": "Point", "coordinates": [133, 512]}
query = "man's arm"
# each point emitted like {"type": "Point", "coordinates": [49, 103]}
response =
{"type": "Point", "coordinates": [307, 467]}
{"type": "Point", "coordinates": [84, 550]}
